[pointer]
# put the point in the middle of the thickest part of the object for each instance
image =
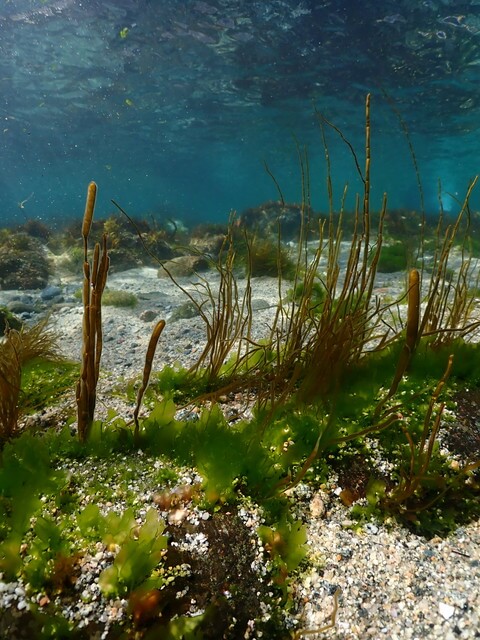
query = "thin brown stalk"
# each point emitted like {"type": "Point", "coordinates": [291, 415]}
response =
{"type": "Point", "coordinates": [413, 317]}
{"type": "Point", "coordinates": [147, 369]}
{"type": "Point", "coordinates": [366, 195]}
{"type": "Point", "coordinates": [440, 313]}
{"type": "Point", "coordinates": [94, 281]}
{"type": "Point", "coordinates": [227, 316]}
{"type": "Point", "coordinates": [421, 452]}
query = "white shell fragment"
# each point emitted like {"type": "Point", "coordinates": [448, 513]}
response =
{"type": "Point", "coordinates": [446, 610]}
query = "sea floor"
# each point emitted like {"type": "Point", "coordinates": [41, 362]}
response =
{"type": "Point", "coordinates": [388, 581]}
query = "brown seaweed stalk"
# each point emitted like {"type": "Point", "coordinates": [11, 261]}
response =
{"type": "Point", "coordinates": [413, 319]}
{"type": "Point", "coordinates": [147, 369]}
{"type": "Point", "coordinates": [420, 455]}
{"type": "Point", "coordinates": [94, 280]}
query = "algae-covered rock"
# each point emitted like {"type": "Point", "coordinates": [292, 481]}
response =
{"type": "Point", "coordinates": [23, 262]}
{"type": "Point", "coordinates": [7, 317]}
{"type": "Point", "coordinates": [127, 250]}
{"type": "Point", "coordinates": [183, 266]}
{"type": "Point", "coordinates": [272, 217]}
{"type": "Point", "coordinates": [185, 311]}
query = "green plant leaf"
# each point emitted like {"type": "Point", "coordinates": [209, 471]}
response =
{"type": "Point", "coordinates": [137, 557]}
{"type": "Point", "coordinates": [91, 522]}
{"type": "Point", "coordinates": [163, 413]}
{"type": "Point", "coordinates": [119, 528]}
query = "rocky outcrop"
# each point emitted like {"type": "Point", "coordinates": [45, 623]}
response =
{"type": "Point", "coordinates": [23, 262]}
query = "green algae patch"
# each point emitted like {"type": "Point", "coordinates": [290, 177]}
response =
{"type": "Point", "coordinates": [119, 298]}
{"type": "Point", "coordinates": [45, 382]}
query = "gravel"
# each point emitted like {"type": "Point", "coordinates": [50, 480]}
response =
{"type": "Point", "coordinates": [392, 583]}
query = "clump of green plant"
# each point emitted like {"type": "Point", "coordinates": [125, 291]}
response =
{"type": "Point", "coordinates": [268, 257]}
{"type": "Point", "coordinates": [25, 475]}
{"type": "Point", "coordinates": [316, 294]}
{"type": "Point", "coordinates": [145, 569]}
{"type": "Point", "coordinates": [51, 560]}
{"type": "Point", "coordinates": [45, 381]}
{"type": "Point", "coordinates": [119, 298]}
{"type": "Point", "coordinates": [210, 438]}
{"type": "Point", "coordinates": [8, 319]}
{"type": "Point", "coordinates": [141, 548]}
{"type": "Point", "coordinates": [286, 544]}
{"type": "Point", "coordinates": [175, 383]}
{"type": "Point", "coordinates": [394, 257]}
{"type": "Point", "coordinates": [73, 260]}
{"type": "Point", "coordinates": [114, 298]}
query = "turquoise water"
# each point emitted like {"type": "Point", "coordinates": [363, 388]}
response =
{"type": "Point", "coordinates": [173, 107]}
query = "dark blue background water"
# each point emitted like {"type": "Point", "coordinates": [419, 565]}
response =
{"type": "Point", "coordinates": [173, 106]}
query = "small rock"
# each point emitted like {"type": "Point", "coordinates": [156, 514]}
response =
{"type": "Point", "coordinates": [371, 528]}
{"type": "Point", "coordinates": [148, 315]}
{"type": "Point", "coordinates": [446, 610]}
{"type": "Point", "coordinates": [17, 306]}
{"type": "Point", "coordinates": [50, 292]}
{"type": "Point", "coordinates": [44, 600]}
{"type": "Point", "coordinates": [183, 266]}
{"type": "Point", "coordinates": [317, 506]}
{"type": "Point", "coordinates": [259, 304]}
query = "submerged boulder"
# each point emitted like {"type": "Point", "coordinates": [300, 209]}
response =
{"type": "Point", "coordinates": [23, 262]}
{"type": "Point", "coordinates": [183, 266]}
{"type": "Point", "coordinates": [273, 217]}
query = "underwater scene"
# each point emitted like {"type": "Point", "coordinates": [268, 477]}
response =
{"type": "Point", "coordinates": [239, 319]}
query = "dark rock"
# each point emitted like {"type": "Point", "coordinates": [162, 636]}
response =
{"type": "Point", "coordinates": [127, 250]}
{"type": "Point", "coordinates": [26, 298]}
{"type": "Point", "coordinates": [17, 306]}
{"type": "Point", "coordinates": [51, 292]}
{"type": "Point", "coordinates": [23, 263]}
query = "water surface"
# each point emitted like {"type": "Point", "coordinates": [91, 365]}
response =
{"type": "Point", "coordinates": [173, 106]}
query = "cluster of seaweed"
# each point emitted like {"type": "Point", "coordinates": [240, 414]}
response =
{"type": "Point", "coordinates": [321, 403]}
{"type": "Point", "coordinates": [334, 326]}
{"type": "Point", "coordinates": [19, 348]}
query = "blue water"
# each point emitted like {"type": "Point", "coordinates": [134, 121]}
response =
{"type": "Point", "coordinates": [173, 107]}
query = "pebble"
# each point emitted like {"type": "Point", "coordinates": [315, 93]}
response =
{"type": "Point", "coordinates": [317, 506]}
{"type": "Point", "coordinates": [446, 610]}
{"type": "Point", "coordinates": [148, 315]}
